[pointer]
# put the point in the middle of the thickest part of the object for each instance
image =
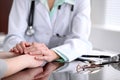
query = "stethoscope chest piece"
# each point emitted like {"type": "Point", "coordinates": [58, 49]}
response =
{"type": "Point", "coordinates": [30, 31]}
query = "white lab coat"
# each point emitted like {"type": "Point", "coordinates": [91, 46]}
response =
{"type": "Point", "coordinates": [73, 27]}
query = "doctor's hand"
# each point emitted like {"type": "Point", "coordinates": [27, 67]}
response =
{"type": "Point", "coordinates": [42, 52]}
{"type": "Point", "coordinates": [19, 48]}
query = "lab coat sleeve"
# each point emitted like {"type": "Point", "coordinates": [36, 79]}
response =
{"type": "Point", "coordinates": [77, 42]}
{"type": "Point", "coordinates": [17, 23]}
{"type": "Point", "coordinates": [3, 68]}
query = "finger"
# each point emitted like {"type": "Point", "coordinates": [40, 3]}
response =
{"type": "Point", "coordinates": [23, 45]}
{"type": "Point", "coordinates": [28, 44]}
{"type": "Point", "coordinates": [34, 49]}
{"type": "Point", "coordinates": [11, 50]}
{"type": "Point", "coordinates": [35, 53]}
{"type": "Point", "coordinates": [15, 50]}
{"type": "Point", "coordinates": [42, 58]}
{"type": "Point", "coordinates": [30, 49]}
{"type": "Point", "coordinates": [41, 45]}
{"type": "Point", "coordinates": [19, 48]}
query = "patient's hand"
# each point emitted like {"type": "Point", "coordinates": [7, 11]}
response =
{"type": "Point", "coordinates": [19, 48]}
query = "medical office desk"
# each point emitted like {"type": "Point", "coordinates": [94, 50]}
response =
{"type": "Point", "coordinates": [53, 71]}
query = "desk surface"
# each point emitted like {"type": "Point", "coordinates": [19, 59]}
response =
{"type": "Point", "coordinates": [52, 71]}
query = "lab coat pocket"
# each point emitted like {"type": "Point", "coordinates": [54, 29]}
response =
{"type": "Point", "coordinates": [57, 40]}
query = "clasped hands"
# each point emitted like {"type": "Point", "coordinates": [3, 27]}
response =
{"type": "Point", "coordinates": [39, 50]}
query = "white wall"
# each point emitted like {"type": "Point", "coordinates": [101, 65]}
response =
{"type": "Point", "coordinates": [98, 11]}
{"type": "Point", "coordinates": [105, 39]}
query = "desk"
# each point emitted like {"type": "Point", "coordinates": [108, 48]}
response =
{"type": "Point", "coordinates": [65, 71]}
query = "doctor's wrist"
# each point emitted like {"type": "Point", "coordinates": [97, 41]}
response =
{"type": "Point", "coordinates": [55, 55]}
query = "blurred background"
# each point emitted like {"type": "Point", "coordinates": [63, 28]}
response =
{"type": "Point", "coordinates": [105, 31]}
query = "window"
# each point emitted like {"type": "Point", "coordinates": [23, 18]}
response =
{"type": "Point", "coordinates": [106, 14]}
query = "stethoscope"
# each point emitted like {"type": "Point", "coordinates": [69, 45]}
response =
{"type": "Point", "coordinates": [30, 29]}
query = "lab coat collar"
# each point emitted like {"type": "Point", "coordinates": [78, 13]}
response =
{"type": "Point", "coordinates": [72, 2]}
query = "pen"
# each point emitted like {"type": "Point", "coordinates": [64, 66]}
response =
{"type": "Point", "coordinates": [96, 56]}
{"type": "Point", "coordinates": [84, 60]}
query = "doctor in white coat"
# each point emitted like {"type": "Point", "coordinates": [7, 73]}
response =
{"type": "Point", "coordinates": [61, 29]}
